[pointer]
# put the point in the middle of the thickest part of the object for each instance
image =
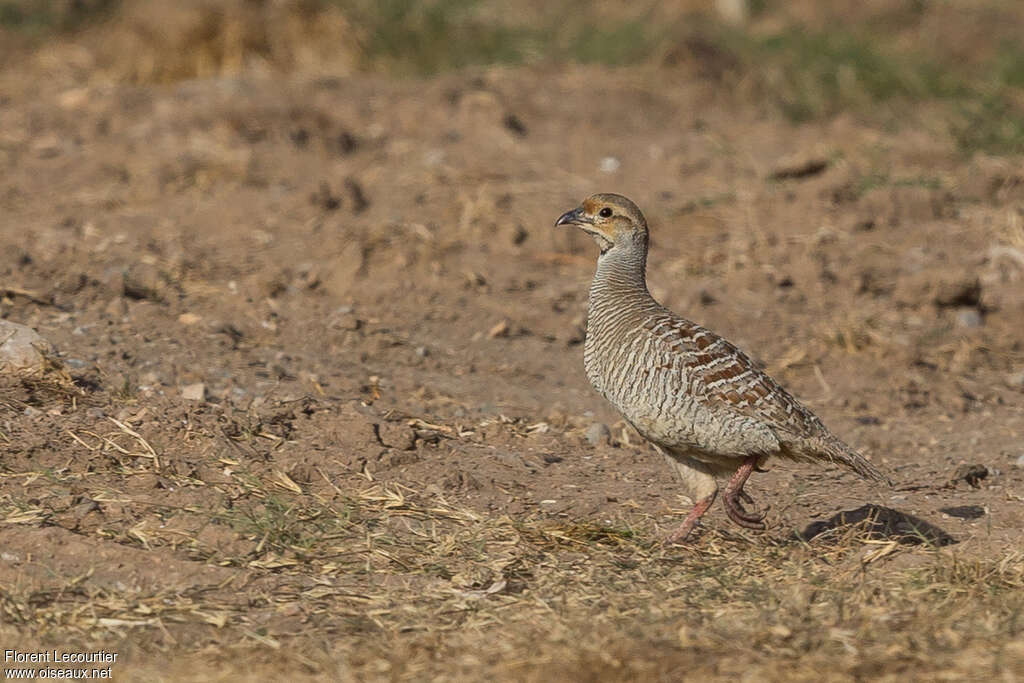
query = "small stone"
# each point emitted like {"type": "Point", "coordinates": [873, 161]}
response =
{"type": "Point", "coordinates": [735, 12]}
{"type": "Point", "coordinates": [21, 347]}
{"type": "Point", "coordinates": [422, 351]}
{"type": "Point", "coordinates": [194, 392]}
{"type": "Point", "coordinates": [598, 433]}
{"type": "Point", "coordinates": [144, 281]}
{"type": "Point", "coordinates": [969, 317]}
{"type": "Point", "coordinates": [1015, 380]}
{"type": "Point", "coordinates": [1019, 462]}
{"type": "Point", "coordinates": [610, 165]}
{"type": "Point", "coordinates": [396, 435]}
{"type": "Point", "coordinates": [189, 318]}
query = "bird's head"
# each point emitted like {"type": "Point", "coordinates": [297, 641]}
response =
{"type": "Point", "coordinates": [611, 219]}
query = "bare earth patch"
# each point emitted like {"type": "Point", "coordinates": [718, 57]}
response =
{"type": "Point", "coordinates": [317, 406]}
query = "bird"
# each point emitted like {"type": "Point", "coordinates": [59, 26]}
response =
{"type": "Point", "coordinates": [698, 398]}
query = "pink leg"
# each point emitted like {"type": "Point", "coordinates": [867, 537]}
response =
{"type": "Point", "coordinates": [691, 520]}
{"type": "Point", "coordinates": [734, 493]}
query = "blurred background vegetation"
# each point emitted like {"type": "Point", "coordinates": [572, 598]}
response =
{"type": "Point", "coordinates": [886, 60]}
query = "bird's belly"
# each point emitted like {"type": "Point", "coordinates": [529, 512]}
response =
{"type": "Point", "coordinates": [667, 413]}
{"type": "Point", "coordinates": [663, 414]}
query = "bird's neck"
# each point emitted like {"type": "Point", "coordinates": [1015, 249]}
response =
{"type": "Point", "coordinates": [620, 280]}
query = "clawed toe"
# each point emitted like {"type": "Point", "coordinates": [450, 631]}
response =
{"type": "Point", "coordinates": [734, 493]}
{"type": "Point", "coordinates": [738, 514]}
{"type": "Point", "coordinates": [750, 519]}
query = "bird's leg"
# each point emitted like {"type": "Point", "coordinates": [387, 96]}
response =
{"type": "Point", "coordinates": [691, 520]}
{"type": "Point", "coordinates": [734, 493]}
{"type": "Point", "coordinates": [700, 485]}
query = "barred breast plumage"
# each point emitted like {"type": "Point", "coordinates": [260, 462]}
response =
{"type": "Point", "coordinates": [689, 391]}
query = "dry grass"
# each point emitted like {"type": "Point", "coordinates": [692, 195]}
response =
{"type": "Point", "coordinates": [402, 585]}
{"type": "Point", "coordinates": [201, 538]}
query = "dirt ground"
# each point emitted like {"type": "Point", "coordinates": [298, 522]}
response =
{"type": "Point", "coordinates": [317, 408]}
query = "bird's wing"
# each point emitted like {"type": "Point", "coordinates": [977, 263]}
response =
{"type": "Point", "coordinates": [728, 380]}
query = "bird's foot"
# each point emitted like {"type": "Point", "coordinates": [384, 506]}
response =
{"type": "Point", "coordinates": [734, 493]}
{"type": "Point", "coordinates": [737, 513]}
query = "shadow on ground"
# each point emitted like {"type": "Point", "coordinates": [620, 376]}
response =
{"type": "Point", "coordinates": [881, 523]}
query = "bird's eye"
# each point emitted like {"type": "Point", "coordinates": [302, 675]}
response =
{"type": "Point", "coordinates": [606, 212]}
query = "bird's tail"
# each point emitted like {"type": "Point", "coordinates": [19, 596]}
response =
{"type": "Point", "coordinates": [837, 451]}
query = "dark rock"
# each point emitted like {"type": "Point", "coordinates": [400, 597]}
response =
{"type": "Point", "coordinates": [955, 293]}
{"type": "Point", "coordinates": [964, 511]}
{"type": "Point", "coordinates": [972, 474]}
{"type": "Point", "coordinates": [515, 125]}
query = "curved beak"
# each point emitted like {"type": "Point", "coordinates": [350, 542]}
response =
{"type": "Point", "coordinates": [574, 217]}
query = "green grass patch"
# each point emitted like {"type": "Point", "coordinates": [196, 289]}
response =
{"type": "Point", "coordinates": [626, 43]}
{"type": "Point", "coordinates": [811, 75]}
{"type": "Point", "coordinates": [39, 18]}
{"type": "Point", "coordinates": [423, 38]}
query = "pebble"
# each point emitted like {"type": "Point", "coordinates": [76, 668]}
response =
{"type": "Point", "coordinates": [194, 392]}
{"type": "Point", "coordinates": [1015, 380]}
{"type": "Point", "coordinates": [969, 317]}
{"type": "Point", "coordinates": [1019, 462]}
{"type": "Point", "coordinates": [598, 433]}
{"type": "Point", "coordinates": [610, 165]}
{"type": "Point", "coordinates": [21, 347]}
{"type": "Point", "coordinates": [735, 12]}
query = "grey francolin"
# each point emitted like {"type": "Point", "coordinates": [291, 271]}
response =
{"type": "Point", "coordinates": [684, 388]}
